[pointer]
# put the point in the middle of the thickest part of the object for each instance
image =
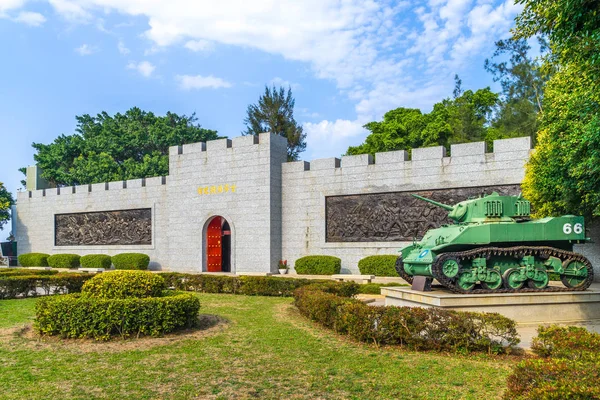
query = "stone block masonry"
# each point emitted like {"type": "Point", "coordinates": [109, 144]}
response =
{"type": "Point", "coordinates": [274, 209]}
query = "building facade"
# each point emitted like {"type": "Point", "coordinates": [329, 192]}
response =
{"type": "Point", "coordinates": [236, 205]}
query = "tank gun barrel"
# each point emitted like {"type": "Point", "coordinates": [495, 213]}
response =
{"type": "Point", "coordinates": [442, 205]}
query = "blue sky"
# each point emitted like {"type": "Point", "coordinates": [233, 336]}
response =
{"type": "Point", "coordinates": [347, 61]}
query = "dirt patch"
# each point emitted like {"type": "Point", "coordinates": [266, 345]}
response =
{"type": "Point", "coordinates": [208, 325]}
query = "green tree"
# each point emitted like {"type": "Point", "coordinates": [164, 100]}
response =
{"type": "Point", "coordinates": [6, 200]}
{"type": "Point", "coordinates": [111, 148]}
{"type": "Point", "coordinates": [274, 113]}
{"type": "Point", "coordinates": [563, 175]}
{"type": "Point", "coordinates": [522, 79]}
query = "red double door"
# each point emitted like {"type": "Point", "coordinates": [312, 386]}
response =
{"type": "Point", "coordinates": [214, 245]}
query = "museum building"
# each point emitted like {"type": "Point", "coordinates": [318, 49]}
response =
{"type": "Point", "coordinates": [236, 205]}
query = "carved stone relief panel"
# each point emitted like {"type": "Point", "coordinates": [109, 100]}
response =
{"type": "Point", "coordinates": [396, 216]}
{"type": "Point", "coordinates": [123, 227]}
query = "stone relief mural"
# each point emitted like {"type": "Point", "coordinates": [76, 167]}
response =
{"type": "Point", "coordinates": [124, 227]}
{"type": "Point", "coordinates": [396, 216]}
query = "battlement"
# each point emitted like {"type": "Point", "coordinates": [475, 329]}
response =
{"type": "Point", "coordinates": [219, 145]}
{"type": "Point", "coordinates": [466, 153]}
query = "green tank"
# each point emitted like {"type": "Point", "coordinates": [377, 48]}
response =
{"type": "Point", "coordinates": [494, 246]}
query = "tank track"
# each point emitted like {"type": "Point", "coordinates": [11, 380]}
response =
{"type": "Point", "coordinates": [400, 269]}
{"type": "Point", "coordinates": [517, 252]}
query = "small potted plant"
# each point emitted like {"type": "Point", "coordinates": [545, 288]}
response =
{"type": "Point", "coordinates": [283, 267]}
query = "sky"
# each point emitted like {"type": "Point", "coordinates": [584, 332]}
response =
{"type": "Point", "coordinates": [346, 61]}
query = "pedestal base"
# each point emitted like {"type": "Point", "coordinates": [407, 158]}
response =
{"type": "Point", "coordinates": [524, 308]}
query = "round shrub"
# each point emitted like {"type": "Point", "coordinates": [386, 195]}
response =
{"type": "Point", "coordinates": [318, 265]}
{"type": "Point", "coordinates": [33, 259]}
{"type": "Point", "coordinates": [124, 284]}
{"type": "Point", "coordinates": [64, 261]}
{"type": "Point", "coordinates": [96, 261]}
{"type": "Point", "coordinates": [383, 265]}
{"type": "Point", "coordinates": [79, 316]}
{"type": "Point", "coordinates": [131, 261]}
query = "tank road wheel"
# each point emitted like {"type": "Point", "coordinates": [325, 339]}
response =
{"type": "Point", "coordinates": [451, 267]}
{"type": "Point", "coordinates": [575, 273]}
{"type": "Point", "coordinates": [512, 279]}
{"type": "Point", "coordinates": [494, 280]}
{"type": "Point", "coordinates": [541, 283]}
{"type": "Point", "coordinates": [464, 281]}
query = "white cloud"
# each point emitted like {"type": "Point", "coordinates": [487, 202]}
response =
{"type": "Point", "coordinates": [72, 10]}
{"type": "Point", "coordinates": [6, 5]}
{"type": "Point", "coordinates": [199, 45]}
{"type": "Point", "coordinates": [190, 82]}
{"type": "Point", "coordinates": [327, 138]}
{"type": "Point", "coordinates": [30, 18]}
{"type": "Point", "coordinates": [122, 48]}
{"type": "Point", "coordinates": [145, 68]}
{"type": "Point", "coordinates": [86, 50]}
{"type": "Point", "coordinates": [277, 81]}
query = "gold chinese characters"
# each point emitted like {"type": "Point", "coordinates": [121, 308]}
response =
{"type": "Point", "coordinates": [216, 189]}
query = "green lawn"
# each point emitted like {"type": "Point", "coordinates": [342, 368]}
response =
{"type": "Point", "coordinates": [265, 350]}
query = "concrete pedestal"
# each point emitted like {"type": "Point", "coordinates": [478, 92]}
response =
{"type": "Point", "coordinates": [524, 308]}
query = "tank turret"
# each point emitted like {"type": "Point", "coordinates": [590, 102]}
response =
{"type": "Point", "coordinates": [491, 208]}
{"type": "Point", "coordinates": [495, 246]}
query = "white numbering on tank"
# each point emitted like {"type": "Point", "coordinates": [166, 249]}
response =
{"type": "Point", "coordinates": [568, 228]}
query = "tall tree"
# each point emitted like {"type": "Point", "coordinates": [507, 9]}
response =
{"type": "Point", "coordinates": [274, 113]}
{"type": "Point", "coordinates": [6, 200]}
{"type": "Point", "coordinates": [522, 78]}
{"type": "Point", "coordinates": [110, 148]}
{"type": "Point", "coordinates": [563, 175]}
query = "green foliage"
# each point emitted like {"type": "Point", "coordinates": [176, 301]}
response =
{"type": "Point", "coordinates": [131, 261]}
{"type": "Point", "coordinates": [25, 271]}
{"type": "Point", "coordinates": [124, 284]}
{"type": "Point", "coordinates": [6, 200]}
{"type": "Point", "coordinates": [79, 316]}
{"type": "Point", "coordinates": [563, 175]}
{"type": "Point", "coordinates": [64, 261]}
{"type": "Point", "coordinates": [375, 288]}
{"type": "Point", "coordinates": [27, 285]}
{"type": "Point", "coordinates": [318, 265]}
{"type": "Point", "coordinates": [274, 113]}
{"type": "Point", "coordinates": [568, 368]}
{"type": "Point", "coordinates": [96, 261]}
{"type": "Point", "coordinates": [113, 148]}
{"type": "Point", "coordinates": [413, 327]}
{"type": "Point", "coordinates": [33, 259]}
{"type": "Point", "coordinates": [379, 265]}
{"type": "Point", "coordinates": [461, 119]}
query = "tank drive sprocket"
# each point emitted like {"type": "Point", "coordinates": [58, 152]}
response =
{"type": "Point", "coordinates": [570, 259]}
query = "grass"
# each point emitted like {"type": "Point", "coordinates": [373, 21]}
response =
{"type": "Point", "coordinates": [266, 350]}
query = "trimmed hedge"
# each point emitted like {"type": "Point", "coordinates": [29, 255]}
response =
{"type": "Point", "coordinates": [248, 285]}
{"type": "Point", "coordinates": [416, 328]}
{"type": "Point", "coordinates": [124, 284]}
{"type": "Point", "coordinates": [80, 316]}
{"type": "Point", "coordinates": [33, 259]}
{"type": "Point", "coordinates": [64, 261]}
{"type": "Point", "coordinates": [568, 367]}
{"type": "Point", "coordinates": [318, 265]}
{"type": "Point", "coordinates": [131, 261]}
{"type": "Point", "coordinates": [381, 265]}
{"type": "Point", "coordinates": [96, 261]}
{"type": "Point", "coordinates": [18, 286]}
{"type": "Point", "coordinates": [25, 271]}
{"type": "Point", "coordinates": [375, 288]}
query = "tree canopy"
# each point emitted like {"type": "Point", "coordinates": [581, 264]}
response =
{"type": "Point", "coordinates": [6, 200]}
{"type": "Point", "coordinates": [111, 148]}
{"type": "Point", "coordinates": [274, 113]}
{"type": "Point", "coordinates": [563, 175]}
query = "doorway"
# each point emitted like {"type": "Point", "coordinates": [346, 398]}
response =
{"type": "Point", "coordinates": [218, 245]}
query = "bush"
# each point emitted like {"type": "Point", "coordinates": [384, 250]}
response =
{"type": "Point", "coordinates": [33, 259]}
{"type": "Point", "coordinates": [123, 284]}
{"type": "Point", "coordinates": [375, 288]}
{"type": "Point", "coordinates": [384, 265]}
{"type": "Point", "coordinates": [79, 316]}
{"type": "Point", "coordinates": [64, 261]}
{"type": "Point", "coordinates": [416, 328]}
{"type": "Point", "coordinates": [17, 286]}
{"type": "Point", "coordinates": [318, 265]}
{"type": "Point", "coordinates": [96, 261]}
{"type": "Point", "coordinates": [568, 368]}
{"type": "Point", "coordinates": [131, 261]}
{"type": "Point", "coordinates": [25, 271]}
